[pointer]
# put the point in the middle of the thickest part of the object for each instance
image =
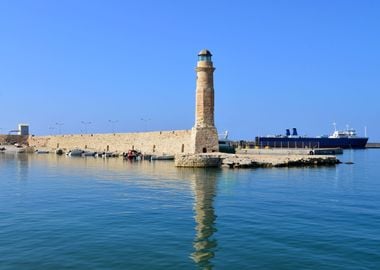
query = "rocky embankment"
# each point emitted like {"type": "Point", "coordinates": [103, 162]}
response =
{"type": "Point", "coordinates": [16, 149]}
{"type": "Point", "coordinates": [253, 161]}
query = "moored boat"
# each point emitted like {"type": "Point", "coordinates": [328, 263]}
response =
{"type": "Point", "coordinates": [75, 153]}
{"type": "Point", "coordinates": [163, 157]}
{"type": "Point", "coordinates": [226, 145]}
{"type": "Point", "coordinates": [88, 153]}
{"type": "Point", "coordinates": [42, 151]}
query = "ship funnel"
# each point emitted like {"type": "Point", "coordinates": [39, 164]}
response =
{"type": "Point", "coordinates": [295, 132]}
{"type": "Point", "coordinates": [287, 132]}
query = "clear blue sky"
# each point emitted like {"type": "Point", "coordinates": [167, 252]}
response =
{"type": "Point", "coordinates": [279, 64]}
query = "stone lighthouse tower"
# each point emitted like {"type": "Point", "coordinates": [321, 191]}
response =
{"type": "Point", "coordinates": [204, 135]}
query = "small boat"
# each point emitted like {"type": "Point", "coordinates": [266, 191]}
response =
{"type": "Point", "coordinates": [88, 154]}
{"type": "Point", "coordinates": [226, 145]}
{"type": "Point", "coordinates": [104, 154]}
{"type": "Point", "coordinates": [132, 155]}
{"type": "Point", "coordinates": [75, 153]}
{"type": "Point", "coordinates": [163, 157]}
{"type": "Point", "coordinates": [107, 154]}
{"type": "Point", "coordinates": [146, 157]}
{"type": "Point", "coordinates": [42, 151]}
{"type": "Point", "coordinates": [59, 152]}
{"type": "Point", "coordinates": [18, 145]}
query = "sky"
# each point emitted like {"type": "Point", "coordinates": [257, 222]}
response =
{"type": "Point", "coordinates": [94, 66]}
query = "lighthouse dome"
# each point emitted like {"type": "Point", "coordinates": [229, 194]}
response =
{"type": "Point", "coordinates": [204, 52]}
{"type": "Point", "coordinates": [204, 55]}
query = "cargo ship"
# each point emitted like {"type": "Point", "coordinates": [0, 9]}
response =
{"type": "Point", "coordinates": [339, 139]}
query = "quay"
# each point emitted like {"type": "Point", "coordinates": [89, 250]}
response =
{"type": "Point", "coordinates": [373, 145]}
{"type": "Point", "coordinates": [291, 151]}
{"type": "Point", "coordinates": [253, 161]}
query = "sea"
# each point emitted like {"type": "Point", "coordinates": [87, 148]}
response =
{"type": "Point", "coordinates": [59, 212]}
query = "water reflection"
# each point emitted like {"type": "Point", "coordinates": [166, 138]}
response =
{"type": "Point", "coordinates": [21, 161]}
{"type": "Point", "coordinates": [204, 243]}
{"type": "Point", "coordinates": [23, 164]}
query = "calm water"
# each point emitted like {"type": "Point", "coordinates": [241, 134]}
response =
{"type": "Point", "coordinates": [74, 213]}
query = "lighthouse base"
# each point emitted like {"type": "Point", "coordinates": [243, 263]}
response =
{"type": "Point", "coordinates": [204, 140]}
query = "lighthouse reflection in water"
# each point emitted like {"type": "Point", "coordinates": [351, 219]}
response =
{"type": "Point", "coordinates": [205, 242]}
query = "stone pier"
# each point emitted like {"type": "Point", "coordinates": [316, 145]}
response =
{"type": "Point", "coordinates": [253, 161]}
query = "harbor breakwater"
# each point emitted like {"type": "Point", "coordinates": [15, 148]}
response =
{"type": "Point", "coordinates": [159, 142]}
{"type": "Point", "coordinates": [373, 145]}
{"type": "Point", "coordinates": [179, 144]}
{"type": "Point", "coordinates": [253, 161]}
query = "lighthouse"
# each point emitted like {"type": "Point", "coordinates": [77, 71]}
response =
{"type": "Point", "coordinates": [204, 135]}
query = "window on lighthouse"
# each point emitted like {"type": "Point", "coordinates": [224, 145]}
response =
{"type": "Point", "coordinates": [206, 58]}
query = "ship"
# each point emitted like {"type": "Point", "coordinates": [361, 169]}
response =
{"type": "Point", "coordinates": [226, 145]}
{"type": "Point", "coordinates": [346, 139]}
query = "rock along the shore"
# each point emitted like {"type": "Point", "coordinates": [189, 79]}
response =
{"type": "Point", "coordinates": [252, 161]}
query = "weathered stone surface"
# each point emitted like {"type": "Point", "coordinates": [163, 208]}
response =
{"type": "Point", "coordinates": [252, 161]}
{"type": "Point", "coordinates": [197, 161]}
{"type": "Point", "coordinates": [204, 140]}
{"type": "Point", "coordinates": [160, 142]}
{"type": "Point", "coordinates": [204, 137]}
{"type": "Point", "coordinates": [204, 116]}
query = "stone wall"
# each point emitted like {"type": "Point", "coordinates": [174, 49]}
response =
{"type": "Point", "coordinates": [160, 142]}
{"type": "Point", "coordinates": [12, 139]}
{"type": "Point", "coordinates": [197, 161]}
{"type": "Point", "coordinates": [204, 140]}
